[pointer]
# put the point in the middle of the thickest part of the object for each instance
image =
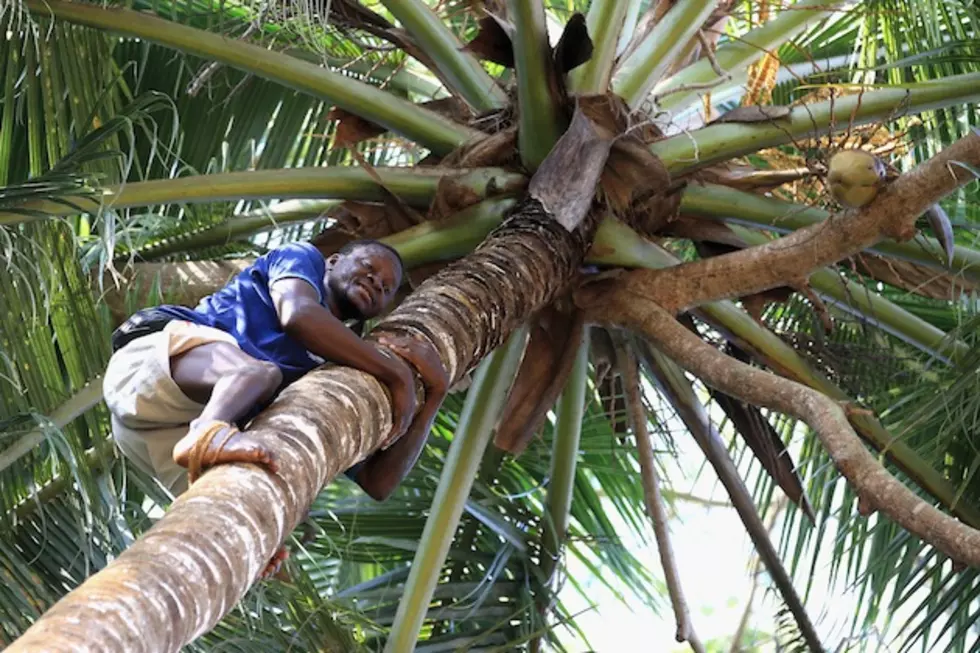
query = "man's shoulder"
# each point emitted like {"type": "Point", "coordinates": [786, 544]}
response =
{"type": "Point", "coordinates": [297, 251]}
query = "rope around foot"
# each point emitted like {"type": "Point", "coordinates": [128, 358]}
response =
{"type": "Point", "coordinates": [196, 457]}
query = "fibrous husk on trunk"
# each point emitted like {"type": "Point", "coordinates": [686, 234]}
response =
{"type": "Point", "coordinates": [547, 364]}
{"type": "Point", "coordinates": [550, 254]}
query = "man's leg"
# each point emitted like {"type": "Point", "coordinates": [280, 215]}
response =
{"type": "Point", "coordinates": [229, 383]}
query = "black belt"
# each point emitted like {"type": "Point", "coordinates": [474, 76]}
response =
{"type": "Point", "coordinates": [142, 323]}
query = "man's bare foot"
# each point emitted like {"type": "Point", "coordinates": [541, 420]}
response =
{"type": "Point", "coordinates": [213, 442]}
{"type": "Point", "coordinates": [275, 564]}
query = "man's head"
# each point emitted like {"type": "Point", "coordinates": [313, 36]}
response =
{"type": "Point", "coordinates": [363, 277]}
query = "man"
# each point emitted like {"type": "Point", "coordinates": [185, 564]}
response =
{"type": "Point", "coordinates": [182, 381]}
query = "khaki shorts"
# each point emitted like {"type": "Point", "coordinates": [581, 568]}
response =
{"type": "Point", "coordinates": [150, 414]}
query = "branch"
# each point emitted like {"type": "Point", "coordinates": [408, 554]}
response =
{"type": "Point", "coordinates": [652, 496]}
{"type": "Point", "coordinates": [877, 489]}
{"type": "Point", "coordinates": [757, 569]}
{"type": "Point", "coordinates": [793, 257]}
{"type": "Point", "coordinates": [675, 387]}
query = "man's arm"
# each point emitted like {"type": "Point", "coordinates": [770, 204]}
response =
{"type": "Point", "coordinates": [382, 472]}
{"type": "Point", "coordinates": [304, 319]}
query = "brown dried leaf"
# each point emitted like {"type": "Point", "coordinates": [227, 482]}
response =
{"type": "Point", "coordinates": [493, 42]}
{"type": "Point", "coordinates": [357, 220]}
{"type": "Point", "coordinates": [636, 186]}
{"type": "Point", "coordinates": [609, 381]}
{"type": "Point", "coordinates": [450, 107]}
{"type": "Point", "coordinates": [759, 434]}
{"type": "Point", "coordinates": [602, 352]}
{"type": "Point", "coordinates": [451, 197]}
{"type": "Point", "coordinates": [547, 362]}
{"type": "Point", "coordinates": [767, 446]}
{"type": "Point", "coordinates": [744, 177]}
{"type": "Point", "coordinates": [574, 47]}
{"type": "Point", "coordinates": [693, 228]}
{"type": "Point", "coordinates": [942, 229]}
{"type": "Point", "coordinates": [763, 439]}
{"type": "Point", "coordinates": [565, 183]}
{"type": "Point", "coordinates": [352, 129]}
{"type": "Point", "coordinates": [351, 13]}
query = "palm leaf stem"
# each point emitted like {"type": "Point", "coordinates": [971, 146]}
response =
{"type": "Point", "coordinates": [718, 142]}
{"type": "Point", "coordinates": [630, 24]}
{"type": "Point", "coordinates": [646, 64]}
{"type": "Point", "coordinates": [463, 71]}
{"type": "Point", "coordinates": [871, 307]}
{"type": "Point", "coordinates": [78, 404]}
{"type": "Point", "coordinates": [564, 458]}
{"type": "Point", "coordinates": [451, 238]}
{"type": "Point", "coordinates": [427, 128]}
{"type": "Point", "coordinates": [605, 21]}
{"type": "Point", "coordinates": [235, 228]}
{"type": "Point", "coordinates": [397, 77]}
{"type": "Point", "coordinates": [94, 461]}
{"type": "Point", "coordinates": [491, 383]}
{"type": "Point", "coordinates": [541, 120]}
{"type": "Point", "coordinates": [415, 186]}
{"type": "Point", "coordinates": [681, 90]}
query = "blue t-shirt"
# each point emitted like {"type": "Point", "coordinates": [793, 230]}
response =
{"type": "Point", "coordinates": [244, 308]}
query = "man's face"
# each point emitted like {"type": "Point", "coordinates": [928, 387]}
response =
{"type": "Point", "coordinates": [364, 281]}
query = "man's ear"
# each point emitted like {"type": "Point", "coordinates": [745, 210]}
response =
{"type": "Point", "coordinates": [332, 259]}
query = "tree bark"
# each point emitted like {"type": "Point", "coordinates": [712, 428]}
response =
{"type": "Point", "coordinates": [193, 566]}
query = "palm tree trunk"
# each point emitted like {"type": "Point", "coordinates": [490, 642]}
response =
{"type": "Point", "coordinates": [193, 566]}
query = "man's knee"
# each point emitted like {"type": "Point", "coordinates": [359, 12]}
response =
{"type": "Point", "coordinates": [198, 370]}
{"type": "Point", "coordinates": [264, 372]}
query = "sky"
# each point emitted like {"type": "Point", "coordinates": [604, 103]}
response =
{"type": "Point", "coordinates": [714, 558]}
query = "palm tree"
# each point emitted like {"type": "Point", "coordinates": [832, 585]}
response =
{"type": "Point", "coordinates": [150, 135]}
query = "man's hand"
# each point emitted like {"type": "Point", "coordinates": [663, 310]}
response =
{"type": "Point", "coordinates": [401, 385]}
